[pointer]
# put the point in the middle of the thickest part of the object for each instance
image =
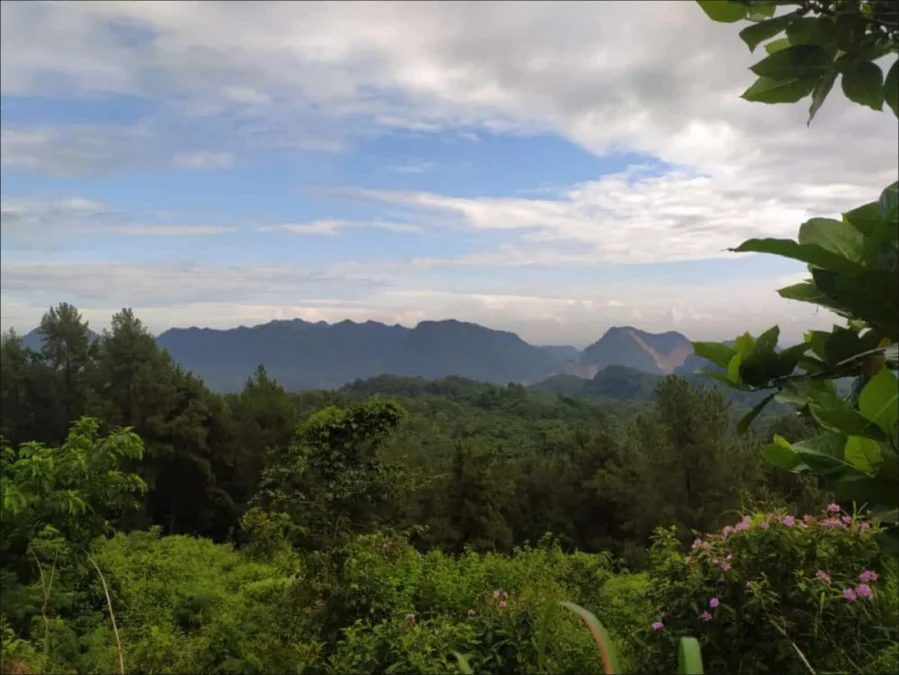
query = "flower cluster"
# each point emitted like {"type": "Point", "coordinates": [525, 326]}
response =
{"type": "Point", "coordinates": [863, 589]}
{"type": "Point", "coordinates": [501, 598]}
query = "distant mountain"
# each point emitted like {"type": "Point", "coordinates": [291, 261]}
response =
{"type": "Point", "coordinates": [659, 354]}
{"type": "Point", "coordinates": [304, 355]}
{"type": "Point", "coordinates": [561, 384]}
{"type": "Point", "coordinates": [563, 353]}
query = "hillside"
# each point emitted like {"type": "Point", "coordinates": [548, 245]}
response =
{"type": "Point", "coordinates": [627, 346]}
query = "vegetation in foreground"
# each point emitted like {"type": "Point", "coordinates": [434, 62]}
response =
{"type": "Point", "coordinates": [339, 538]}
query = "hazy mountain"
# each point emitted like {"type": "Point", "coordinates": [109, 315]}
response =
{"type": "Point", "coordinates": [653, 353]}
{"type": "Point", "coordinates": [563, 353]}
{"type": "Point", "coordinates": [304, 355]}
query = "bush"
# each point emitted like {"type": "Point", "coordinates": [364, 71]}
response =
{"type": "Point", "coordinates": [772, 591]}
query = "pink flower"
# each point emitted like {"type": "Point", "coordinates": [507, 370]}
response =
{"type": "Point", "coordinates": [727, 531]}
{"type": "Point", "coordinates": [713, 603]}
{"type": "Point", "coordinates": [847, 520]}
{"type": "Point", "coordinates": [808, 519]}
{"type": "Point", "coordinates": [502, 604]}
{"type": "Point", "coordinates": [823, 576]}
{"type": "Point", "coordinates": [868, 576]}
{"type": "Point", "coordinates": [705, 616]}
{"type": "Point", "coordinates": [658, 625]}
{"type": "Point", "coordinates": [832, 522]}
{"type": "Point", "coordinates": [788, 521]}
{"type": "Point", "coordinates": [849, 594]}
{"type": "Point", "coordinates": [833, 508]}
{"type": "Point", "coordinates": [496, 595]}
{"type": "Point", "coordinates": [741, 526]}
{"type": "Point", "coordinates": [864, 526]}
{"type": "Point", "coordinates": [697, 543]}
{"type": "Point", "coordinates": [725, 566]}
{"type": "Point", "coordinates": [765, 525]}
{"type": "Point", "coordinates": [864, 591]}
{"type": "Point", "coordinates": [410, 618]}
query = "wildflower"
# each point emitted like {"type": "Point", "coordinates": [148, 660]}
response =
{"type": "Point", "coordinates": [729, 556]}
{"type": "Point", "coordinates": [867, 576]}
{"type": "Point", "coordinates": [410, 618]}
{"type": "Point", "coordinates": [832, 522]}
{"type": "Point", "coordinates": [864, 591]}
{"type": "Point", "coordinates": [470, 613]}
{"type": "Point", "coordinates": [727, 531]}
{"type": "Point", "coordinates": [502, 604]}
{"type": "Point", "coordinates": [705, 616]}
{"type": "Point", "coordinates": [788, 521]}
{"type": "Point", "coordinates": [833, 508]}
{"type": "Point", "coordinates": [697, 543]}
{"type": "Point", "coordinates": [823, 576]}
{"type": "Point", "coordinates": [725, 566]}
{"type": "Point", "coordinates": [849, 594]}
{"type": "Point", "coordinates": [658, 625]}
{"type": "Point", "coordinates": [713, 603]}
{"type": "Point", "coordinates": [741, 526]}
{"type": "Point", "coordinates": [505, 596]}
{"type": "Point", "coordinates": [847, 520]}
{"type": "Point", "coordinates": [765, 525]}
{"type": "Point", "coordinates": [864, 526]}
{"type": "Point", "coordinates": [496, 595]}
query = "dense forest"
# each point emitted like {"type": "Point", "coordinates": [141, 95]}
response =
{"type": "Point", "coordinates": [406, 525]}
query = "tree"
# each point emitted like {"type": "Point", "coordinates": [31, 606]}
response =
{"type": "Point", "coordinates": [853, 263]}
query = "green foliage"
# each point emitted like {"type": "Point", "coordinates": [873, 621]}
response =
{"type": "Point", "coordinates": [775, 591]}
{"type": "Point", "coordinates": [823, 40]}
{"type": "Point", "coordinates": [853, 264]}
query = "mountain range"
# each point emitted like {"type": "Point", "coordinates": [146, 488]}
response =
{"type": "Point", "coordinates": [318, 355]}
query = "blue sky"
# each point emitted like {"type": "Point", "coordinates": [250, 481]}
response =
{"type": "Point", "coordinates": [553, 170]}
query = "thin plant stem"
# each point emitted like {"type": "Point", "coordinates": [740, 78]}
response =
{"type": "Point", "coordinates": [111, 616]}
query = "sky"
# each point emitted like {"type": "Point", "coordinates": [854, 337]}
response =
{"type": "Point", "coordinates": [553, 169]}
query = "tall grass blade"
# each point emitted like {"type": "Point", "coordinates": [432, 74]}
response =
{"type": "Point", "coordinates": [464, 667]}
{"type": "Point", "coordinates": [543, 637]}
{"type": "Point", "coordinates": [601, 635]}
{"type": "Point", "coordinates": [689, 657]}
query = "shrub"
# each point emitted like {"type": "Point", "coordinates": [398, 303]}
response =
{"type": "Point", "coordinates": [771, 591]}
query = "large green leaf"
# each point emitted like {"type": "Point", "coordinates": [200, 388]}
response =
{"type": "Point", "coordinates": [863, 83]}
{"type": "Point", "coordinates": [796, 62]}
{"type": "Point", "coordinates": [889, 203]}
{"type": "Point", "coordinates": [717, 353]}
{"type": "Point", "coordinates": [809, 30]}
{"type": "Point", "coordinates": [781, 454]}
{"type": "Point", "coordinates": [833, 236]}
{"type": "Point", "coordinates": [806, 291]}
{"type": "Point", "coordinates": [749, 418]}
{"type": "Point", "coordinates": [835, 414]}
{"type": "Point", "coordinates": [865, 219]}
{"type": "Point", "coordinates": [813, 255]}
{"type": "Point", "coordinates": [862, 453]}
{"type": "Point", "coordinates": [777, 45]}
{"type": "Point", "coordinates": [891, 88]}
{"type": "Point", "coordinates": [879, 401]}
{"type": "Point", "coordinates": [871, 296]}
{"type": "Point", "coordinates": [801, 391]}
{"type": "Point", "coordinates": [819, 94]}
{"type": "Point", "coordinates": [723, 11]}
{"type": "Point", "coordinates": [768, 90]}
{"type": "Point", "coordinates": [757, 33]}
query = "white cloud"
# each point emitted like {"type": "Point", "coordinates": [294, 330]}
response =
{"type": "Point", "coordinates": [411, 167]}
{"type": "Point", "coordinates": [205, 160]}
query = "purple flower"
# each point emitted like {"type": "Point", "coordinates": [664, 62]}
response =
{"type": "Point", "coordinates": [705, 616]}
{"type": "Point", "coordinates": [788, 521]}
{"type": "Point", "coordinates": [727, 531]}
{"type": "Point", "coordinates": [713, 603]}
{"type": "Point", "coordinates": [864, 591]}
{"type": "Point", "coordinates": [832, 522]}
{"type": "Point", "coordinates": [741, 526]}
{"type": "Point", "coordinates": [658, 625]}
{"type": "Point", "coordinates": [849, 594]}
{"type": "Point", "coordinates": [847, 520]}
{"type": "Point", "coordinates": [410, 618]}
{"type": "Point", "coordinates": [823, 576]}
{"type": "Point", "coordinates": [833, 508]}
{"type": "Point", "coordinates": [868, 576]}
{"type": "Point", "coordinates": [697, 543]}
{"type": "Point", "coordinates": [725, 566]}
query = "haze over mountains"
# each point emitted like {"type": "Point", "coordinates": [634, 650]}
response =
{"type": "Point", "coordinates": [307, 355]}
